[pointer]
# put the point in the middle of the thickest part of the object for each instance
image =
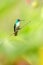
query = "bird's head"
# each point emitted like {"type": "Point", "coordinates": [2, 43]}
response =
{"type": "Point", "coordinates": [18, 20]}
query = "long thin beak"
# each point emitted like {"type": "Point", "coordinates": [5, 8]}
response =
{"type": "Point", "coordinates": [21, 20]}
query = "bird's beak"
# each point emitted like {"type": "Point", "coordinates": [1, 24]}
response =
{"type": "Point", "coordinates": [21, 20]}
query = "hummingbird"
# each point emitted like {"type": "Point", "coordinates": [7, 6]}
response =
{"type": "Point", "coordinates": [17, 26]}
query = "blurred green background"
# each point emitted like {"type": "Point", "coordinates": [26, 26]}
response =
{"type": "Point", "coordinates": [30, 38]}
